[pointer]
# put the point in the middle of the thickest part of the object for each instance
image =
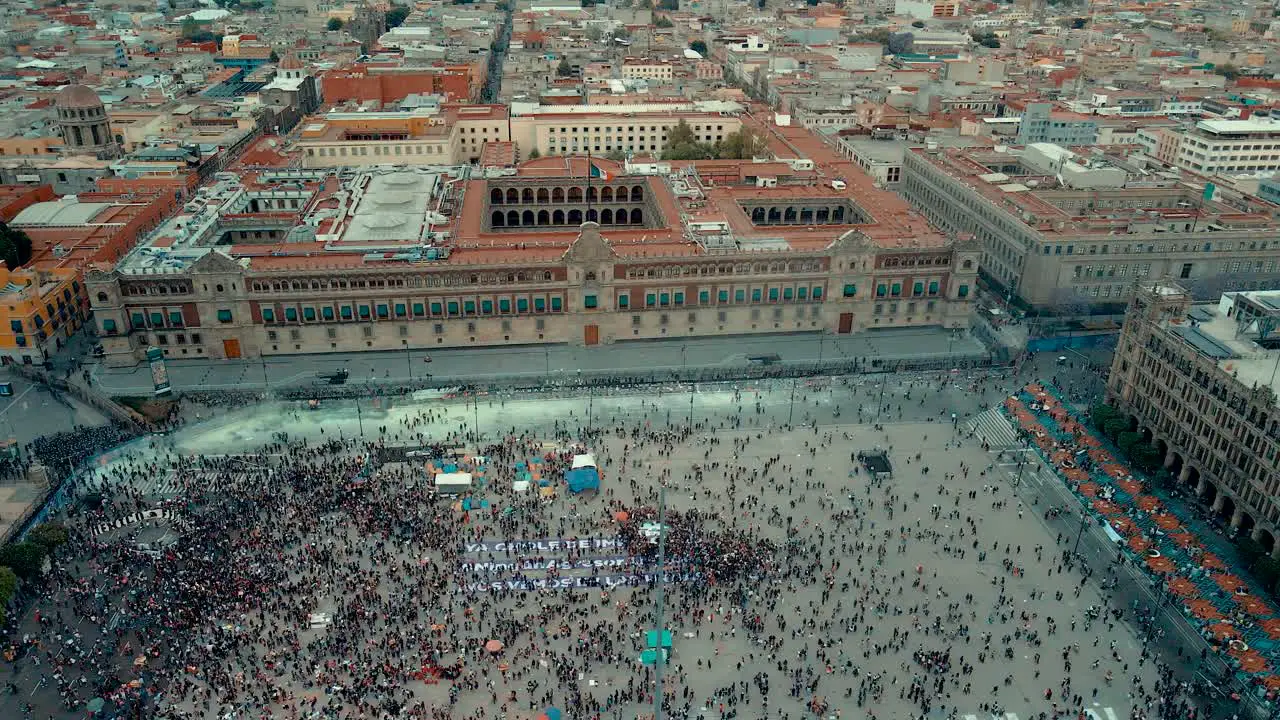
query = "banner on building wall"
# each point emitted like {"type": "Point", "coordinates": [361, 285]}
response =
{"type": "Point", "coordinates": [159, 373]}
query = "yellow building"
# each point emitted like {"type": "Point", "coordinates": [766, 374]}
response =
{"type": "Point", "coordinates": [38, 310]}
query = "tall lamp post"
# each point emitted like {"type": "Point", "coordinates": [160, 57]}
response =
{"type": "Point", "coordinates": [659, 658]}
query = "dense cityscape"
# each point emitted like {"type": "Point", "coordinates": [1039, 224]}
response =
{"type": "Point", "coordinates": [605, 359]}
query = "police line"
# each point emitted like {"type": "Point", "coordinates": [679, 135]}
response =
{"type": "Point", "coordinates": [588, 563]}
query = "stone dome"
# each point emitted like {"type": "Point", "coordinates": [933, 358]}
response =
{"type": "Point", "coordinates": [78, 97]}
{"type": "Point", "coordinates": [290, 61]}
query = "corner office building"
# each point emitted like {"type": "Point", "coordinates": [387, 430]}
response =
{"type": "Point", "coordinates": [1199, 381]}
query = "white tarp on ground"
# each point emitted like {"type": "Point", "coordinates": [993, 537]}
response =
{"type": "Point", "coordinates": [581, 461]}
{"type": "Point", "coordinates": [520, 486]}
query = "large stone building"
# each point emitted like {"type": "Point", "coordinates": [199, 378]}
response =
{"type": "Point", "coordinates": [1069, 231]}
{"type": "Point", "coordinates": [554, 250]}
{"type": "Point", "coordinates": [1199, 381]}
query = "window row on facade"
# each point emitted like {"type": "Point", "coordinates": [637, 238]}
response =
{"type": "Point", "coordinates": [402, 309]}
{"type": "Point", "coordinates": [432, 280]}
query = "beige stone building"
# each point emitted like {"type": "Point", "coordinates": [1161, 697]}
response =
{"type": "Point", "coordinates": [1199, 381]}
{"type": "Point", "coordinates": [1069, 231]}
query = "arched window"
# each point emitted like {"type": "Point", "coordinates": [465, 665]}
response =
{"type": "Point", "coordinates": [557, 195]}
{"type": "Point", "coordinates": [513, 196]}
{"type": "Point", "coordinates": [513, 218]}
{"type": "Point", "coordinates": [557, 217]}
{"type": "Point", "coordinates": [606, 195]}
{"type": "Point", "coordinates": [637, 194]}
{"type": "Point", "coordinates": [606, 217]}
{"type": "Point", "coordinates": [637, 217]}
{"type": "Point", "coordinates": [497, 219]}
{"type": "Point", "coordinates": [495, 196]}
{"type": "Point", "coordinates": [544, 217]}
{"type": "Point", "coordinates": [526, 218]}
{"type": "Point", "coordinates": [544, 197]}
{"type": "Point", "coordinates": [526, 196]}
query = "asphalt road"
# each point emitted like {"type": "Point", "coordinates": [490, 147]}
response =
{"type": "Point", "coordinates": [461, 366]}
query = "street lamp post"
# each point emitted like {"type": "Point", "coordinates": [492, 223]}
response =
{"type": "Point", "coordinates": [659, 659]}
{"type": "Point", "coordinates": [546, 356]}
{"type": "Point", "coordinates": [1084, 520]}
{"type": "Point", "coordinates": [360, 417]}
{"type": "Point", "coordinates": [266, 383]}
{"type": "Point", "coordinates": [408, 359]}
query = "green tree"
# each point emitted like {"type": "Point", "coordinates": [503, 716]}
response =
{"type": "Point", "coordinates": [25, 558]}
{"type": "Point", "coordinates": [334, 24]}
{"type": "Point", "coordinates": [663, 22]}
{"type": "Point", "coordinates": [1100, 413]}
{"type": "Point", "coordinates": [1249, 550]}
{"type": "Point", "coordinates": [8, 585]}
{"type": "Point", "coordinates": [50, 536]}
{"type": "Point", "coordinates": [682, 144]}
{"type": "Point", "coordinates": [1127, 441]}
{"type": "Point", "coordinates": [397, 15]}
{"type": "Point", "coordinates": [616, 154]}
{"type": "Point", "coordinates": [534, 154]}
{"type": "Point", "coordinates": [15, 247]}
{"type": "Point", "coordinates": [273, 57]}
{"type": "Point", "coordinates": [1266, 570]}
{"type": "Point", "coordinates": [699, 47]}
{"type": "Point", "coordinates": [741, 145]}
{"type": "Point", "coordinates": [1227, 70]}
{"type": "Point", "coordinates": [1146, 456]}
{"type": "Point", "coordinates": [1115, 427]}
{"type": "Point", "coordinates": [621, 32]}
{"type": "Point", "coordinates": [563, 69]}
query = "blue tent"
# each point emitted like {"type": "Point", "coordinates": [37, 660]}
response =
{"type": "Point", "coordinates": [581, 479]}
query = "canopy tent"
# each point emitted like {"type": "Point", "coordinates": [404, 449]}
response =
{"type": "Point", "coordinates": [583, 461]}
{"type": "Point", "coordinates": [651, 638]}
{"type": "Point", "coordinates": [453, 482]}
{"type": "Point", "coordinates": [582, 479]}
{"type": "Point", "coordinates": [650, 657]}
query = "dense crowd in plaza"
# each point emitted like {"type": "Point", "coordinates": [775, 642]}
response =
{"type": "Point", "coordinates": [321, 577]}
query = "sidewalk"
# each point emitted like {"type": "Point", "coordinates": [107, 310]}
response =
{"type": "Point", "coordinates": [460, 366]}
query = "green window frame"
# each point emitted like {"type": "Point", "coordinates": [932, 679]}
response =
{"type": "Point", "coordinates": [309, 314]}
{"type": "Point", "coordinates": [664, 299]}
{"type": "Point", "coordinates": [522, 305]}
{"type": "Point", "coordinates": [224, 316]}
{"type": "Point", "coordinates": [109, 325]}
{"type": "Point", "coordinates": [624, 301]}
{"type": "Point", "coordinates": [419, 310]}
{"type": "Point", "coordinates": [788, 293]}
{"type": "Point", "coordinates": [739, 295]}
{"type": "Point", "coordinates": [881, 290]}
{"type": "Point", "coordinates": [817, 292]}
{"type": "Point", "coordinates": [139, 320]}
{"type": "Point", "coordinates": [723, 296]}
{"type": "Point", "coordinates": [437, 308]}
{"type": "Point", "coordinates": [678, 298]}
{"type": "Point", "coordinates": [964, 291]}
{"type": "Point", "coordinates": [896, 289]}
{"type": "Point", "coordinates": [590, 301]}
{"type": "Point", "coordinates": [452, 307]}
{"type": "Point", "coordinates": [557, 304]}
{"type": "Point", "coordinates": [157, 319]}
{"type": "Point", "coordinates": [540, 304]}
{"type": "Point", "coordinates": [291, 314]}
{"type": "Point", "coordinates": [383, 311]}
{"type": "Point", "coordinates": [773, 294]}
{"type": "Point", "coordinates": [933, 287]}
{"type": "Point", "coordinates": [175, 319]}
{"type": "Point", "coordinates": [802, 293]}
{"type": "Point", "coordinates": [504, 305]}
{"type": "Point", "coordinates": [917, 289]}
{"type": "Point", "coordinates": [704, 297]}
{"type": "Point", "coordinates": [486, 307]}
{"type": "Point", "coordinates": [469, 307]}
{"type": "Point", "coordinates": [401, 310]}
{"type": "Point", "coordinates": [756, 294]}
{"type": "Point", "coordinates": [268, 315]}
{"type": "Point", "coordinates": [365, 312]}
{"type": "Point", "coordinates": [650, 300]}
{"type": "Point", "coordinates": [326, 313]}
{"type": "Point", "coordinates": [346, 312]}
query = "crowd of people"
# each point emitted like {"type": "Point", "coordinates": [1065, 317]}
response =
{"type": "Point", "coordinates": [320, 577]}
